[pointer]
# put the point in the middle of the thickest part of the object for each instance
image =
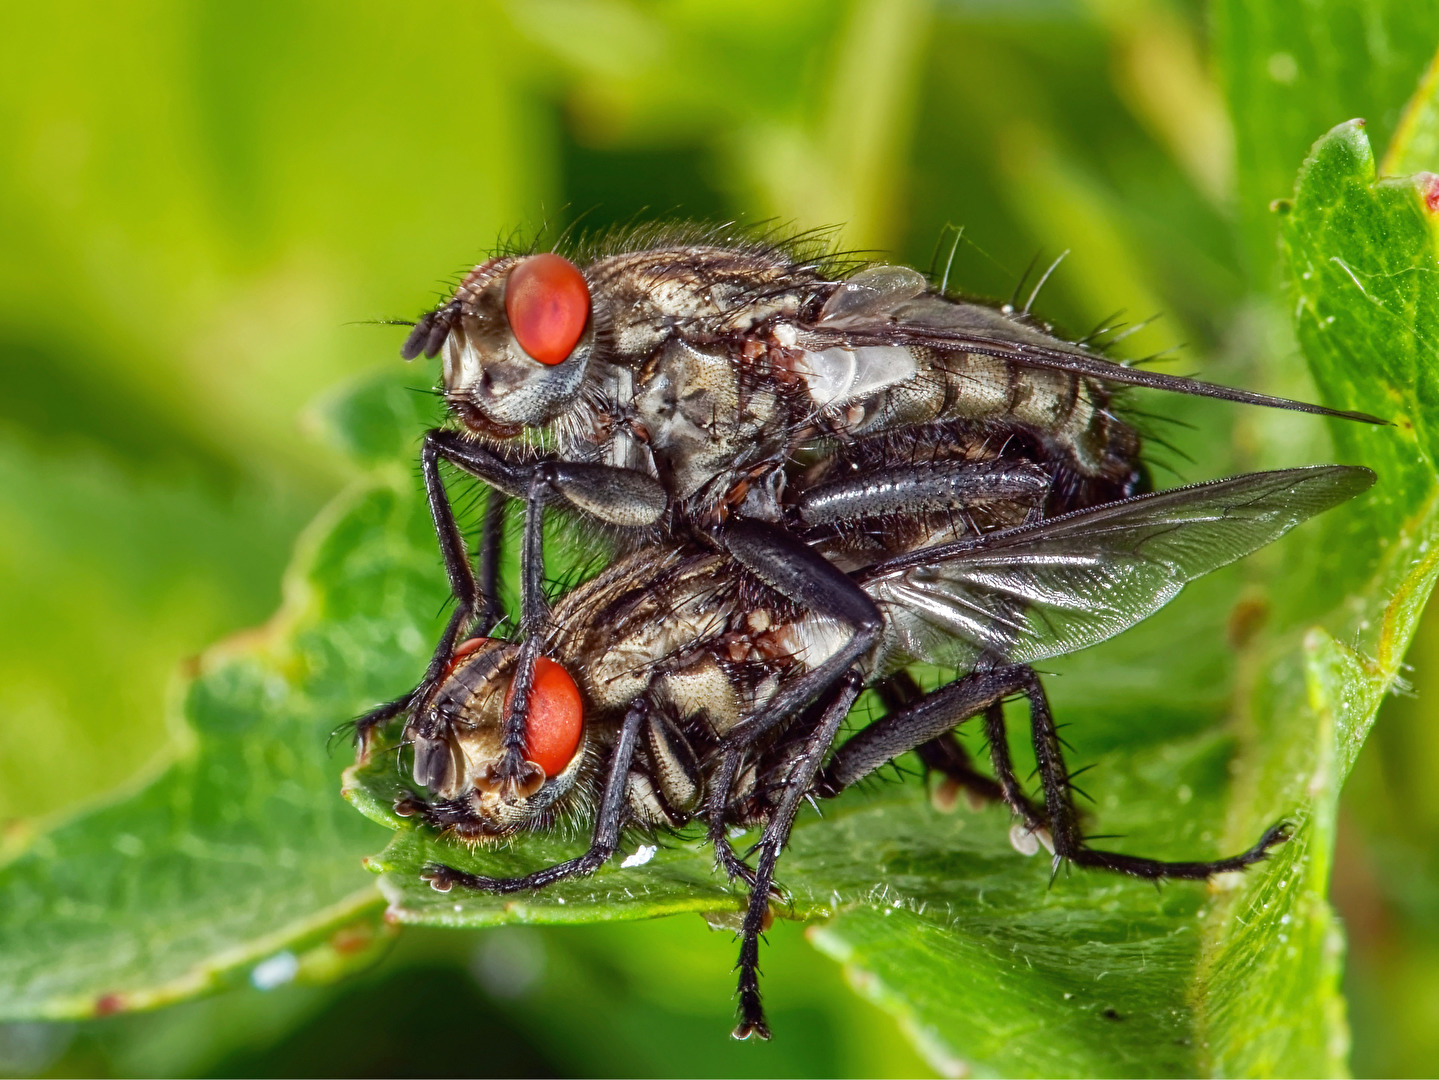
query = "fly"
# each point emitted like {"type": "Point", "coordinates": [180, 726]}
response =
{"type": "Point", "coordinates": [677, 386]}
{"type": "Point", "coordinates": [656, 696]}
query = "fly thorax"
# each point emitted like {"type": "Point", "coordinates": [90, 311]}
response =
{"type": "Point", "coordinates": [699, 419]}
{"type": "Point", "coordinates": [620, 447]}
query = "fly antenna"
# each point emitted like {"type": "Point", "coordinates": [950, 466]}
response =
{"type": "Point", "coordinates": [1043, 278]}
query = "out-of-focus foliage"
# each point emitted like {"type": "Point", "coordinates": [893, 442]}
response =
{"type": "Point", "coordinates": [200, 201]}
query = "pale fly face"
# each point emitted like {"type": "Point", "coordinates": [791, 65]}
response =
{"type": "Point", "coordinates": [516, 342]}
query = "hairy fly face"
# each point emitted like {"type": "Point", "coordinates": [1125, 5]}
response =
{"type": "Point", "coordinates": [460, 766]}
{"type": "Point", "coordinates": [516, 341]}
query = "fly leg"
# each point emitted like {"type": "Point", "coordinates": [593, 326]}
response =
{"type": "Point", "coordinates": [1013, 791]}
{"type": "Point", "coordinates": [617, 496]}
{"type": "Point", "coordinates": [1068, 841]}
{"type": "Point", "coordinates": [940, 711]}
{"type": "Point", "coordinates": [463, 587]}
{"type": "Point", "coordinates": [790, 567]}
{"type": "Point", "coordinates": [492, 536]}
{"type": "Point", "coordinates": [717, 803]}
{"type": "Point", "coordinates": [621, 494]}
{"type": "Point", "coordinates": [945, 755]}
{"type": "Point", "coordinates": [793, 569]}
{"type": "Point", "coordinates": [923, 487]}
{"type": "Point", "coordinates": [776, 834]}
{"type": "Point", "coordinates": [602, 845]}
{"type": "Point", "coordinates": [930, 718]}
{"type": "Point", "coordinates": [776, 759]}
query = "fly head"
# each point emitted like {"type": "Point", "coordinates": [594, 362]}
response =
{"type": "Point", "coordinates": [459, 745]}
{"type": "Point", "coordinates": [516, 340]}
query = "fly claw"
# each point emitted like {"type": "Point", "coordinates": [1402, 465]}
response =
{"type": "Point", "coordinates": [814, 476]}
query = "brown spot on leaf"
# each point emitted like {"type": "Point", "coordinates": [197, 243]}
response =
{"type": "Point", "coordinates": [109, 1004]}
{"type": "Point", "coordinates": [1246, 619]}
{"type": "Point", "coordinates": [353, 938]}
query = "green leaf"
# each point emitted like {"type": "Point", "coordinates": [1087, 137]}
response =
{"type": "Point", "coordinates": [1291, 71]}
{"type": "Point", "coordinates": [1415, 146]}
{"type": "Point", "coordinates": [240, 851]}
{"type": "Point", "coordinates": [941, 922]}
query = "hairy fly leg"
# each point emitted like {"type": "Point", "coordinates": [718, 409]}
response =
{"type": "Point", "coordinates": [776, 834]}
{"type": "Point", "coordinates": [927, 719]}
{"type": "Point", "coordinates": [606, 835]}
{"type": "Point", "coordinates": [718, 789]}
{"type": "Point", "coordinates": [491, 612]}
{"type": "Point", "coordinates": [940, 711]}
{"type": "Point", "coordinates": [492, 536]}
{"type": "Point", "coordinates": [922, 487]}
{"type": "Point", "coordinates": [463, 587]}
{"type": "Point", "coordinates": [1069, 842]}
{"type": "Point", "coordinates": [618, 492]}
{"type": "Point", "coordinates": [513, 770]}
{"type": "Point", "coordinates": [790, 567]}
{"type": "Point", "coordinates": [620, 497]}
{"type": "Point", "coordinates": [945, 755]}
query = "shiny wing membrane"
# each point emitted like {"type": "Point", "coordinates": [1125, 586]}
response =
{"type": "Point", "coordinates": [889, 305]}
{"type": "Point", "coordinates": [1037, 591]}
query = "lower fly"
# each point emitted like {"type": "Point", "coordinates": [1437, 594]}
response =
{"type": "Point", "coordinates": [677, 685]}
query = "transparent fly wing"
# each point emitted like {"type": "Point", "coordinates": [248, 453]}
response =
{"type": "Point", "coordinates": [1041, 590]}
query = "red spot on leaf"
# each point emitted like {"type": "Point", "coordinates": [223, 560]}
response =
{"type": "Point", "coordinates": [1429, 188]}
{"type": "Point", "coordinates": [352, 939]}
{"type": "Point", "coordinates": [109, 1004]}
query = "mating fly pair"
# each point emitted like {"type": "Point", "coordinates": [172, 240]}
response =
{"type": "Point", "coordinates": [817, 475]}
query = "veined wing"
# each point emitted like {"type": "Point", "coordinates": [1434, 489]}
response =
{"type": "Point", "coordinates": [1056, 586]}
{"type": "Point", "coordinates": [887, 306]}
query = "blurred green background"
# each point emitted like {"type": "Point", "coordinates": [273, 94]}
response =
{"type": "Point", "coordinates": [204, 207]}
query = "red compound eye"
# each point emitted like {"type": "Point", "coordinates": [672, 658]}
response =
{"type": "Point", "coordinates": [555, 719]}
{"type": "Point", "coordinates": [547, 303]}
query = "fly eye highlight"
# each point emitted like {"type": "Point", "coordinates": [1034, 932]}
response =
{"type": "Point", "coordinates": [554, 719]}
{"type": "Point", "coordinates": [547, 303]}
